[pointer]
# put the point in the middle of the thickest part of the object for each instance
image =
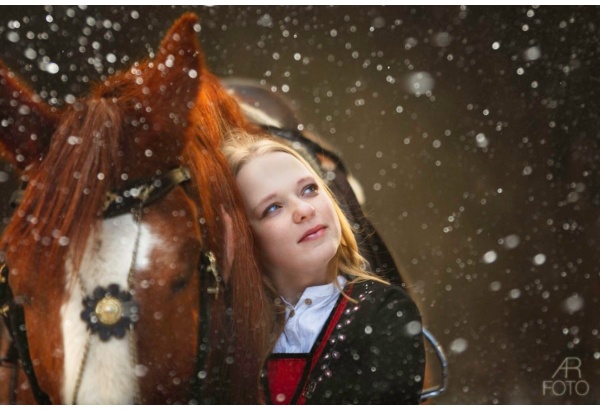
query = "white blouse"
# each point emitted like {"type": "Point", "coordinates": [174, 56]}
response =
{"type": "Point", "coordinates": [305, 320]}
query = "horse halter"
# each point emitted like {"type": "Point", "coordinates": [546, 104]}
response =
{"type": "Point", "coordinates": [111, 311]}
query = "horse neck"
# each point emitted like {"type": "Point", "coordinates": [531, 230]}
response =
{"type": "Point", "coordinates": [217, 112]}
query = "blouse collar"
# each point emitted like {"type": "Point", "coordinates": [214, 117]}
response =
{"type": "Point", "coordinates": [319, 291]}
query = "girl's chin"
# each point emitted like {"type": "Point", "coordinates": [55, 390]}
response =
{"type": "Point", "coordinates": [312, 260]}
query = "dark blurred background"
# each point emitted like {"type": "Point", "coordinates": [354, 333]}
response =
{"type": "Point", "coordinates": [473, 130]}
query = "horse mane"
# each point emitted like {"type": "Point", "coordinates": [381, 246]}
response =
{"type": "Point", "coordinates": [215, 114]}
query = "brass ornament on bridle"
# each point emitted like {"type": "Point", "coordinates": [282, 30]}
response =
{"type": "Point", "coordinates": [109, 310]}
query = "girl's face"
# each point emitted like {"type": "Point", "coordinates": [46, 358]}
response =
{"type": "Point", "coordinates": [293, 219]}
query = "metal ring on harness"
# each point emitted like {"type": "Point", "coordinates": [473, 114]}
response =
{"type": "Point", "coordinates": [437, 390]}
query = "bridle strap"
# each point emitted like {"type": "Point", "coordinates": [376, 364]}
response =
{"type": "Point", "coordinates": [143, 193]}
{"type": "Point", "coordinates": [132, 196]}
{"type": "Point", "coordinates": [209, 275]}
{"type": "Point", "coordinates": [14, 319]}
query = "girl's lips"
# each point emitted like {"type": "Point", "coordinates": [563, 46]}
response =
{"type": "Point", "coordinates": [313, 233]}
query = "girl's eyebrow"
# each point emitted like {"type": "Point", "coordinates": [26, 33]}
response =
{"type": "Point", "coordinates": [304, 180]}
{"type": "Point", "coordinates": [265, 199]}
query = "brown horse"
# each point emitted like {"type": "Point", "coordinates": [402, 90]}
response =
{"type": "Point", "coordinates": [125, 191]}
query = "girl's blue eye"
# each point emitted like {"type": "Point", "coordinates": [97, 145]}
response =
{"type": "Point", "coordinates": [310, 189]}
{"type": "Point", "coordinates": [270, 209]}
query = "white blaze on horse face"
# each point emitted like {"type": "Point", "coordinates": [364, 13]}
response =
{"type": "Point", "coordinates": [108, 376]}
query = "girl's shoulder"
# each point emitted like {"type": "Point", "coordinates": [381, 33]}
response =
{"type": "Point", "coordinates": [379, 298]}
{"type": "Point", "coordinates": [375, 288]}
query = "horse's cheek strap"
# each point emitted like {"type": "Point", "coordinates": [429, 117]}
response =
{"type": "Point", "coordinates": [198, 389]}
{"type": "Point", "coordinates": [14, 318]}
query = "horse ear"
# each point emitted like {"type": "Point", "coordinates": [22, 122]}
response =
{"type": "Point", "coordinates": [26, 122]}
{"type": "Point", "coordinates": [176, 74]}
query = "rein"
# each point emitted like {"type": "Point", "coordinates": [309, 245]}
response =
{"type": "Point", "coordinates": [130, 199]}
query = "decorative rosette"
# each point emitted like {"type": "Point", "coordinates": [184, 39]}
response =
{"type": "Point", "coordinates": [110, 312]}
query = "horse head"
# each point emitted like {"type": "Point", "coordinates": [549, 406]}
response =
{"type": "Point", "coordinates": [145, 144]}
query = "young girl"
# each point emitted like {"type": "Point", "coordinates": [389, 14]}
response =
{"type": "Point", "coordinates": [344, 335]}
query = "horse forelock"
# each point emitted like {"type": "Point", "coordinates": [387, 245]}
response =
{"type": "Point", "coordinates": [64, 198]}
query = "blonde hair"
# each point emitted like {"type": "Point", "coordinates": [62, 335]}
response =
{"type": "Point", "coordinates": [240, 147]}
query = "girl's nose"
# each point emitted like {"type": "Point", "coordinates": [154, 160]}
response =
{"type": "Point", "coordinates": [303, 211]}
